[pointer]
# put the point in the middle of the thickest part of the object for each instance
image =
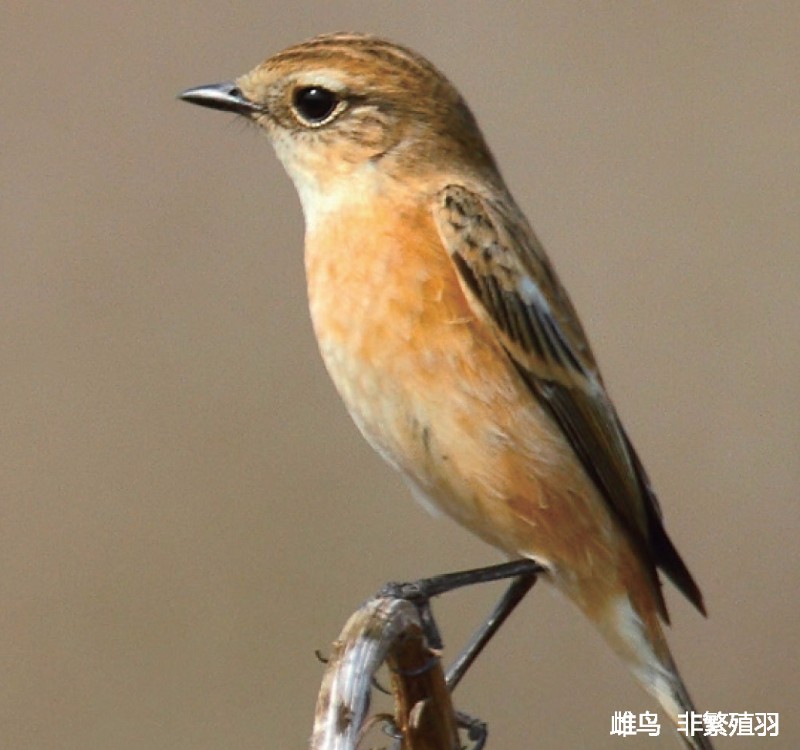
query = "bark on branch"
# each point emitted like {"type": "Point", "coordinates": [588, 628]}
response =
{"type": "Point", "coordinates": [386, 630]}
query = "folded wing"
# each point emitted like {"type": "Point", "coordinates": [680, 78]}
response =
{"type": "Point", "coordinates": [506, 274]}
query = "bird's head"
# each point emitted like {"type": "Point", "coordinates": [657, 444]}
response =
{"type": "Point", "coordinates": [342, 109]}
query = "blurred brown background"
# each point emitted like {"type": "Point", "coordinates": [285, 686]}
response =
{"type": "Point", "coordinates": [187, 512]}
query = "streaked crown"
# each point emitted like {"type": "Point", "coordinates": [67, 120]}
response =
{"type": "Point", "coordinates": [349, 98]}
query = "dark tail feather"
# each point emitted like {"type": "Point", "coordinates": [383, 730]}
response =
{"type": "Point", "coordinates": [668, 560]}
{"type": "Point", "coordinates": [665, 555]}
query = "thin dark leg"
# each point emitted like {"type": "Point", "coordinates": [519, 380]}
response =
{"type": "Point", "coordinates": [427, 588]}
{"type": "Point", "coordinates": [515, 593]}
{"type": "Point", "coordinates": [420, 592]}
{"type": "Point", "coordinates": [477, 731]}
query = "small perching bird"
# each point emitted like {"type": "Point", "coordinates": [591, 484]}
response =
{"type": "Point", "coordinates": [450, 338]}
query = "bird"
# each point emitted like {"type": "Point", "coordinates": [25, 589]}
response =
{"type": "Point", "coordinates": [451, 339]}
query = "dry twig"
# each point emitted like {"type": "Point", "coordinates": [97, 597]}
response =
{"type": "Point", "coordinates": [385, 629]}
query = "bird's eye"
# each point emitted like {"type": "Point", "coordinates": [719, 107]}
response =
{"type": "Point", "coordinates": [315, 104]}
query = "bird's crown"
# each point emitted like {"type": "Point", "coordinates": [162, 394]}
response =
{"type": "Point", "coordinates": [366, 99]}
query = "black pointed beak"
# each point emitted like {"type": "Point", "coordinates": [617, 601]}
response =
{"type": "Point", "coordinates": [224, 96]}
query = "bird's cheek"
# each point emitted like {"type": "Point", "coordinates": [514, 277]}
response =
{"type": "Point", "coordinates": [287, 150]}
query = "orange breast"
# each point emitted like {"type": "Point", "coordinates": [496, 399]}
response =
{"type": "Point", "coordinates": [432, 390]}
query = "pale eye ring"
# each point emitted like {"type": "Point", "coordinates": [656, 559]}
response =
{"type": "Point", "coordinates": [315, 104]}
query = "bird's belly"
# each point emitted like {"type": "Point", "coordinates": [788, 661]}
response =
{"type": "Point", "coordinates": [436, 395]}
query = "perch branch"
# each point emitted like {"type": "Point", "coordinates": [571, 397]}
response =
{"type": "Point", "coordinates": [385, 629]}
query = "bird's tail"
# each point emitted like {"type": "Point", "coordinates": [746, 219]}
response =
{"type": "Point", "coordinates": [640, 641]}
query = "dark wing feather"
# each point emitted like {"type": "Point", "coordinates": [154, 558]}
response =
{"type": "Point", "coordinates": [506, 271]}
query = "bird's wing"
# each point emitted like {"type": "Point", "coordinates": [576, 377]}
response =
{"type": "Point", "coordinates": [507, 276]}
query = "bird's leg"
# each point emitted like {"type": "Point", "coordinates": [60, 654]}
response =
{"type": "Point", "coordinates": [476, 730]}
{"type": "Point", "coordinates": [420, 592]}
{"type": "Point", "coordinates": [514, 594]}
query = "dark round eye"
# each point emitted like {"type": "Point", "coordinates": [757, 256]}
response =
{"type": "Point", "coordinates": [315, 104]}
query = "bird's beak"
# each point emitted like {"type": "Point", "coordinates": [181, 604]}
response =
{"type": "Point", "coordinates": [225, 96]}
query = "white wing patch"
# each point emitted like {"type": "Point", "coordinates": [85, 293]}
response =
{"type": "Point", "coordinates": [531, 294]}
